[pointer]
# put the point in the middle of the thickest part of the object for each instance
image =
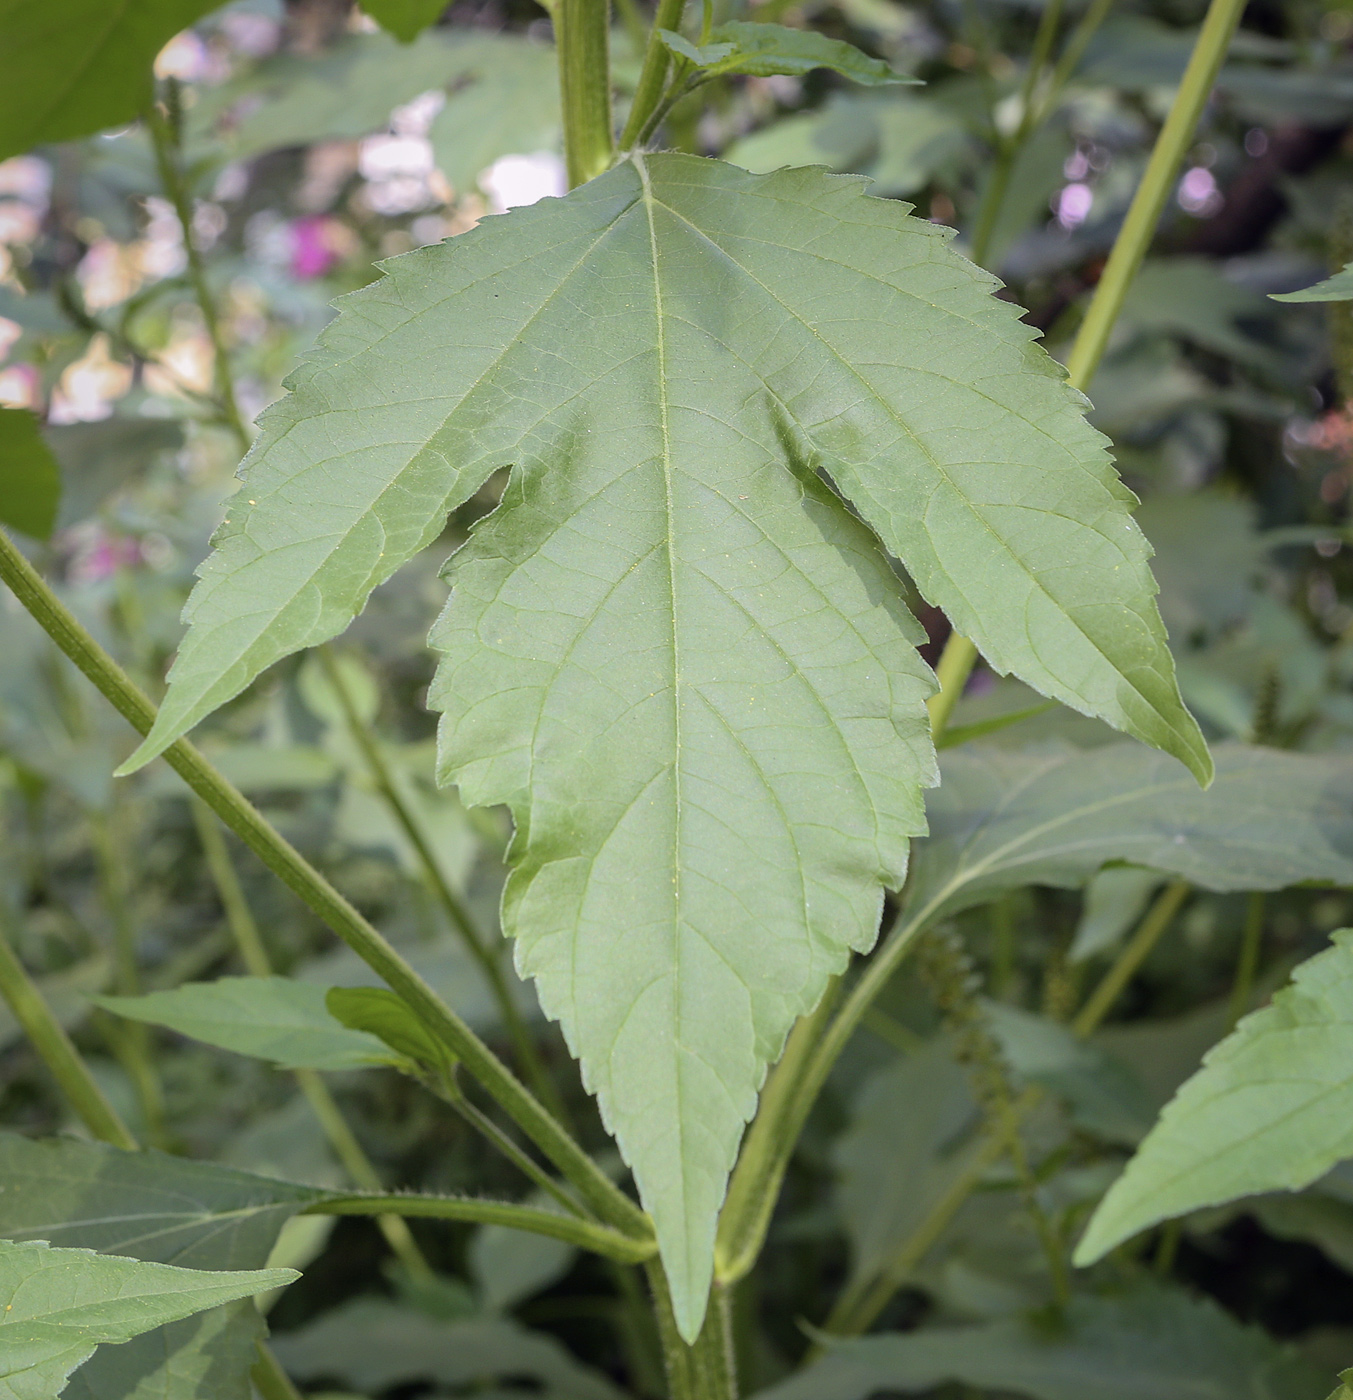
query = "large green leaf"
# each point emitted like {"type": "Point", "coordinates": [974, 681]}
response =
{"type": "Point", "coordinates": [75, 68]}
{"type": "Point", "coordinates": [1148, 1345]}
{"type": "Point", "coordinates": [1004, 819]}
{"type": "Point", "coordinates": [59, 1304]}
{"type": "Point", "coordinates": [274, 1018]}
{"type": "Point", "coordinates": [30, 480]}
{"type": "Point", "coordinates": [677, 656]}
{"type": "Point", "coordinates": [1271, 1109]}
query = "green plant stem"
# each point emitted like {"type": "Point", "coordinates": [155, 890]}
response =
{"type": "Point", "coordinates": [1134, 238]}
{"type": "Point", "coordinates": [319, 895]}
{"type": "Point", "coordinates": [1247, 965]}
{"type": "Point", "coordinates": [1134, 953]}
{"type": "Point", "coordinates": [56, 1051]}
{"type": "Point", "coordinates": [131, 1041]}
{"type": "Point", "coordinates": [586, 1234]}
{"type": "Point", "coordinates": [1073, 52]}
{"type": "Point", "coordinates": [164, 140]}
{"type": "Point", "coordinates": [955, 666]}
{"type": "Point", "coordinates": [249, 943]}
{"type": "Point", "coordinates": [272, 1381]}
{"type": "Point", "coordinates": [706, 1369]}
{"type": "Point", "coordinates": [653, 75]}
{"type": "Point", "coordinates": [453, 906]}
{"type": "Point", "coordinates": [767, 1148]}
{"type": "Point", "coordinates": [583, 33]}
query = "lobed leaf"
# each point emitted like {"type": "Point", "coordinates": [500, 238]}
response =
{"type": "Point", "coordinates": [274, 1018]}
{"type": "Point", "coordinates": [673, 651]}
{"type": "Point", "coordinates": [1269, 1110]}
{"type": "Point", "coordinates": [60, 1304]}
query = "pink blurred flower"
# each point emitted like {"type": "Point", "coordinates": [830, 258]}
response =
{"type": "Point", "coordinates": [95, 554]}
{"type": "Point", "coordinates": [21, 387]}
{"type": "Point", "coordinates": [318, 242]}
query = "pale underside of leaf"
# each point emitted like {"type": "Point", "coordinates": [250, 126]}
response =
{"type": "Point", "coordinates": [672, 650]}
{"type": "Point", "coordinates": [1270, 1110]}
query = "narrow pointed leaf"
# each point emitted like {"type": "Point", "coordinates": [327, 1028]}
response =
{"type": "Point", "coordinates": [274, 1018]}
{"type": "Point", "coordinates": [57, 1305]}
{"type": "Point", "coordinates": [743, 46]}
{"type": "Point", "coordinates": [1336, 288]}
{"type": "Point", "coordinates": [1271, 1109]}
{"type": "Point", "coordinates": [676, 655]}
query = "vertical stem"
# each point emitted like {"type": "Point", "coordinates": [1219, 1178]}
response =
{"type": "Point", "coordinates": [56, 1051]}
{"type": "Point", "coordinates": [1251, 943]}
{"type": "Point", "coordinates": [272, 1381]}
{"type": "Point", "coordinates": [457, 914]}
{"type": "Point", "coordinates": [1134, 238]}
{"type": "Point", "coordinates": [1141, 943]}
{"type": "Point", "coordinates": [706, 1369]}
{"type": "Point", "coordinates": [583, 31]}
{"type": "Point", "coordinates": [653, 75]}
{"type": "Point", "coordinates": [132, 1041]}
{"type": "Point", "coordinates": [955, 666]}
{"type": "Point", "coordinates": [254, 955]}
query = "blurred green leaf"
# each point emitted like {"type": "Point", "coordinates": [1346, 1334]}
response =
{"type": "Point", "coordinates": [511, 1266]}
{"type": "Point", "coordinates": [99, 458]}
{"type": "Point", "coordinates": [908, 1139]}
{"type": "Point", "coordinates": [1269, 1110]}
{"type": "Point", "coordinates": [1151, 1344]}
{"type": "Point", "coordinates": [64, 1302]}
{"type": "Point", "coordinates": [76, 68]}
{"type": "Point", "coordinates": [373, 1345]}
{"type": "Point", "coordinates": [272, 1018]}
{"type": "Point", "coordinates": [377, 1011]}
{"type": "Point", "coordinates": [1114, 900]}
{"type": "Point", "coordinates": [30, 480]}
{"type": "Point", "coordinates": [1002, 819]}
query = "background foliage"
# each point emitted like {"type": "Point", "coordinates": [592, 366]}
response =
{"type": "Point", "coordinates": [309, 144]}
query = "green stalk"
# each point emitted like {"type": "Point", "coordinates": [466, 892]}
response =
{"type": "Point", "coordinates": [55, 1050]}
{"type": "Point", "coordinates": [1251, 944]}
{"type": "Point", "coordinates": [583, 32]}
{"type": "Point", "coordinates": [272, 1381]}
{"type": "Point", "coordinates": [131, 1041]}
{"type": "Point", "coordinates": [249, 943]}
{"type": "Point", "coordinates": [1134, 953]}
{"type": "Point", "coordinates": [586, 1234]}
{"type": "Point", "coordinates": [653, 76]}
{"type": "Point", "coordinates": [707, 1369]}
{"type": "Point", "coordinates": [457, 914]}
{"type": "Point", "coordinates": [319, 895]}
{"type": "Point", "coordinates": [955, 666]}
{"type": "Point", "coordinates": [1134, 238]}
{"type": "Point", "coordinates": [165, 142]}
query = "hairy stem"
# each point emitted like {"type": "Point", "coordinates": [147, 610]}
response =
{"type": "Point", "coordinates": [705, 1369]}
{"type": "Point", "coordinates": [457, 914]}
{"type": "Point", "coordinates": [582, 29]}
{"type": "Point", "coordinates": [653, 76]}
{"type": "Point", "coordinates": [586, 1234]}
{"type": "Point", "coordinates": [319, 895]}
